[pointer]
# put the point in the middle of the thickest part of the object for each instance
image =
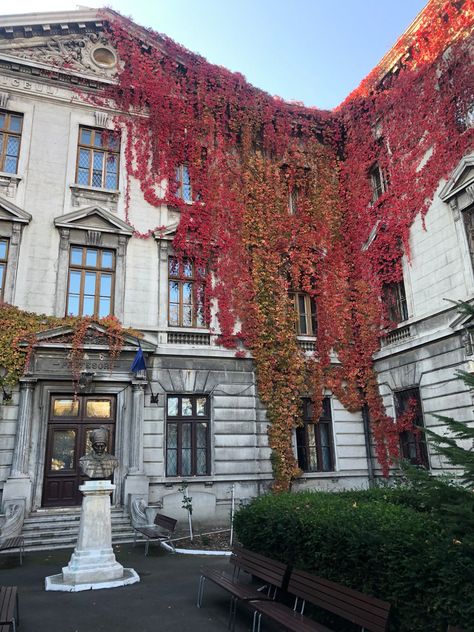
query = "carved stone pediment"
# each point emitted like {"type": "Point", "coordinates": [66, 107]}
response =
{"type": "Point", "coordinates": [10, 212]}
{"type": "Point", "coordinates": [96, 336]}
{"type": "Point", "coordinates": [460, 186]}
{"type": "Point", "coordinates": [95, 219]}
{"type": "Point", "coordinates": [88, 54]}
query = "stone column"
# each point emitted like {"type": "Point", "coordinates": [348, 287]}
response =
{"type": "Point", "coordinates": [13, 253]}
{"type": "Point", "coordinates": [120, 277]}
{"type": "Point", "coordinates": [62, 275]}
{"type": "Point", "coordinates": [136, 427]}
{"type": "Point", "coordinates": [136, 482]}
{"type": "Point", "coordinates": [18, 484]}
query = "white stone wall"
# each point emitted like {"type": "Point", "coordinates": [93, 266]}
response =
{"type": "Point", "coordinates": [439, 265]}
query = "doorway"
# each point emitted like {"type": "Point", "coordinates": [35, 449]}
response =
{"type": "Point", "coordinates": [70, 423]}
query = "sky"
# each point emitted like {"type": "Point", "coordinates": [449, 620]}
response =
{"type": "Point", "coordinates": [313, 51]}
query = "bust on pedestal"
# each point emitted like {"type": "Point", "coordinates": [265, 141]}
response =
{"type": "Point", "coordinates": [93, 564]}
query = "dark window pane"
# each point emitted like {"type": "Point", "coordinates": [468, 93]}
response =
{"type": "Point", "coordinates": [63, 450]}
{"type": "Point", "coordinates": [172, 406]}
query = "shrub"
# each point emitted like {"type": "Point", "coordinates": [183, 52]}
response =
{"type": "Point", "coordinates": [372, 542]}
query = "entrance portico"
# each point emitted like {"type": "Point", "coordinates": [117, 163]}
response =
{"type": "Point", "coordinates": [54, 424]}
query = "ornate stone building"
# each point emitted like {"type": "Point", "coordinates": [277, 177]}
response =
{"type": "Point", "coordinates": [65, 247]}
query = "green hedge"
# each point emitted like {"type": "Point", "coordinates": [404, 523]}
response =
{"type": "Point", "coordinates": [373, 542]}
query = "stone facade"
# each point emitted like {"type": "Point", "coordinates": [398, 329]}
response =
{"type": "Point", "coordinates": [44, 211]}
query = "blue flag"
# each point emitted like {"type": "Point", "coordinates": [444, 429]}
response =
{"type": "Point", "coordinates": [139, 361]}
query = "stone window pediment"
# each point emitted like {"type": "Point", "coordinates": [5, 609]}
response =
{"type": "Point", "coordinates": [459, 190]}
{"type": "Point", "coordinates": [10, 212]}
{"type": "Point", "coordinates": [93, 218]}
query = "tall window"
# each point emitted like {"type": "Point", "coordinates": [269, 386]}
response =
{"type": "Point", "coordinates": [314, 443]}
{"type": "Point", "coordinates": [186, 293]}
{"type": "Point", "coordinates": [395, 300]}
{"type": "Point", "coordinates": [379, 181]}
{"type": "Point", "coordinates": [305, 310]}
{"type": "Point", "coordinates": [10, 136]}
{"type": "Point", "coordinates": [91, 282]}
{"type": "Point", "coordinates": [183, 181]}
{"type": "Point", "coordinates": [97, 158]}
{"type": "Point", "coordinates": [3, 264]}
{"type": "Point", "coordinates": [187, 435]}
{"type": "Point", "coordinates": [412, 442]}
{"type": "Point", "coordinates": [293, 197]}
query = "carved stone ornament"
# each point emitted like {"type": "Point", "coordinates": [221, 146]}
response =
{"type": "Point", "coordinates": [470, 192]}
{"type": "Point", "coordinates": [89, 53]}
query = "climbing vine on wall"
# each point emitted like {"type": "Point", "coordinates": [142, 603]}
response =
{"type": "Point", "coordinates": [247, 152]}
{"type": "Point", "coordinates": [19, 332]}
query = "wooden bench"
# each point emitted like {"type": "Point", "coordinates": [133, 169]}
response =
{"type": "Point", "coordinates": [161, 532]}
{"type": "Point", "coordinates": [9, 610]}
{"type": "Point", "coordinates": [272, 573]}
{"type": "Point", "coordinates": [14, 543]}
{"type": "Point", "coordinates": [369, 613]}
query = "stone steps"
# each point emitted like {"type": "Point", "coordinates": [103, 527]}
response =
{"type": "Point", "coordinates": [58, 528]}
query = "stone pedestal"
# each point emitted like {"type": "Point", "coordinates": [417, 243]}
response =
{"type": "Point", "coordinates": [93, 564]}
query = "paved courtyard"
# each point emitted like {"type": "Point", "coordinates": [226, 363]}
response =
{"type": "Point", "coordinates": [163, 601]}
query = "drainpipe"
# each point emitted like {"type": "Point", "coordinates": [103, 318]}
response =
{"type": "Point", "coordinates": [366, 423]}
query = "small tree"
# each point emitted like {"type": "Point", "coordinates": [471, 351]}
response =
{"type": "Point", "coordinates": [453, 499]}
{"type": "Point", "coordinates": [187, 504]}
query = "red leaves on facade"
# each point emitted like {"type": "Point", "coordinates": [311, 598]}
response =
{"type": "Point", "coordinates": [246, 152]}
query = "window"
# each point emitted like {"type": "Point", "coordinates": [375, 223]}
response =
{"type": "Point", "coordinates": [395, 301]}
{"type": "Point", "coordinates": [305, 310]}
{"type": "Point", "coordinates": [412, 442]}
{"type": "Point", "coordinates": [379, 181]}
{"type": "Point", "coordinates": [10, 137]}
{"type": "Point", "coordinates": [183, 181]}
{"type": "Point", "coordinates": [186, 294]}
{"type": "Point", "coordinates": [97, 158]}
{"type": "Point", "coordinates": [314, 445]}
{"type": "Point", "coordinates": [187, 435]}
{"type": "Point", "coordinates": [293, 197]}
{"type": "Point", "coordinates": [3, 264]}
{"type": "Point", "coordinates": [91, 282]}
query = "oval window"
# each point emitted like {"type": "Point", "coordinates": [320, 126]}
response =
{"type": "Point", "coordinates": [104, 57]}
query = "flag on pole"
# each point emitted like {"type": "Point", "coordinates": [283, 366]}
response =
{"type": "Point", "coordinates": [138, 363]}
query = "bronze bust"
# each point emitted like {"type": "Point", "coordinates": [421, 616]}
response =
{"type": "Point", "coordinates": [98, 464]}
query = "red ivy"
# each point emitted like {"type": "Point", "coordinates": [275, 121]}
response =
{"type": "Point", "coordinates": [246, 152]}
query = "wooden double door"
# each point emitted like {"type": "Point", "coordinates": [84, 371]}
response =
{"type": "Point", "coordinates": [71, 421]}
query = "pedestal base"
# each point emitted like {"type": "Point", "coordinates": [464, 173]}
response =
{"type": "Point", "coordinates": [93, 565]}
{"type": "Point", "coordinates": [18, 487]}
{"type": "Point", "coordinates": [57, 583]}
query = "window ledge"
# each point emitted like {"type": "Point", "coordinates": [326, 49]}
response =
{"type": "Point", "coordinates": [82, 193]}
{"type": "Point", "coordinates": [185, 336]}
{"type": "Point", "coordinates": [307, 343]}
{"type": "Point", "coordinates": [9, 183]}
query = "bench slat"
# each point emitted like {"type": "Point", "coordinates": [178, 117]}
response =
{"type": "Point", "coordinates": [288, 618]}
{"type": "Point", "coordinates": [8, 605]}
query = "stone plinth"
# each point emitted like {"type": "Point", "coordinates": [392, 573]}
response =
{"type": "Point", "coordinates": [93, 564]}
